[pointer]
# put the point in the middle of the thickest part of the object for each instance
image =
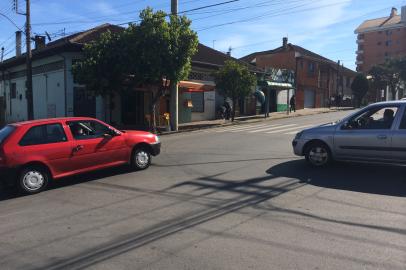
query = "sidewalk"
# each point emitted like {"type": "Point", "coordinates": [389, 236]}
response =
{"type": "Point", "coordinates": [251, 119]}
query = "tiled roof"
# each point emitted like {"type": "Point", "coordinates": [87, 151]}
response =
{"type": "Point", "coordinates": [205, 55]}
{"type": "Point", "coordinates": [380, 22]}
{"type": "Point", "coordinates": [304, 52]}
{"type": "Point", "coordinates": [73, 42]}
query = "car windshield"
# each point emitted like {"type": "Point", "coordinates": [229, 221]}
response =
{"type": "Point", "coordinates": [5, 132]}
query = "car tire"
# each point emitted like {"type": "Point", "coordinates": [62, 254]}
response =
{"type": "Point", "coordinates": [141, 159]}
{"type": "Point", "coordinates": [318, 154]}
{"type": "Point", "coordinates": [33, 179]}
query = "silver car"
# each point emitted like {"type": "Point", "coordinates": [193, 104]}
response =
{"type": "Point", "coordinates": [375, 134]}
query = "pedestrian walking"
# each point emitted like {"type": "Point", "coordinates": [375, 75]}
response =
{"type": "Point", "coordinates": [292, 104]}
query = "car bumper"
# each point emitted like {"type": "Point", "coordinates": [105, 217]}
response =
{"type": "Point", "coordinates": [298, 147]}
{"type": "Point", "coordinates": [156, 148]}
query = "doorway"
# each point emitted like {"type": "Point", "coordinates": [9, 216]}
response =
{"type": "Point", "coordinates": [132, 108]}
{"type": "Point", "coordinates": [84, 103]}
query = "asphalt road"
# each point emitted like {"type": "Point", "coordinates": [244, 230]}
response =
{"type": "Point", "coordinates": [224, 198]}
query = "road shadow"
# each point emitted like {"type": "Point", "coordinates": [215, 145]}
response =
{"type": "Point", "coordinates": [7, 191]}
{"type": "Point", "coordinates": [247, 193]}
{"type": "Point", "coordinates": [373, 179]}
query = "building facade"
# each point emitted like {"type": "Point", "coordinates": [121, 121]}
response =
{"type": "Point", "coordinates": [381, 39]}
{"type": "Point", "coordinates": [57, 94]}
{"type": "Point", "coordinates": [318, 79]}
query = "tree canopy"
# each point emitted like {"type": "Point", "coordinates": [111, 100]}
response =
{"type": "Point", "coordinates": [234, 81]}
{"type": "Point", "coordinates": [390, 74]}
{"type": "Point", "coordinates": [156, 53]}
{"type": "Point", "coordinates": [359, 87]}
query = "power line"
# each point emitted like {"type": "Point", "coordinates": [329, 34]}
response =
{"type": "Point", "coordinates": [11, 21]}
{"type": "Point", "coordinates": [7, 39]}
{"type": "Point", "coordinates": [273, 14]}
{"type": "Point", "coordinates": [209, 6]}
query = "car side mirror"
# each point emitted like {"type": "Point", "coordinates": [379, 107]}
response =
{"type": "Point", "coordinates": [347, 125]}
{"type": "Point", "coordinates": [107, 136]}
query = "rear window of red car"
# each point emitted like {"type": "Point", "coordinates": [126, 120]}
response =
{"type": "Point", "coordinates": [5, 132]}
{"type": "Point", "coordinates": [44, 134]}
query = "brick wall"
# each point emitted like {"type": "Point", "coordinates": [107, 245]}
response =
{"type": "Point", "coordinates": [380, 45]}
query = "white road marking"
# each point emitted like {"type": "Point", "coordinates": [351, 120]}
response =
{"type": "Point", "coordinates": [288, 129]}
{"type": "Point", "coordinates": [271, 128]}
{"type": "Point", "coordinates": [239, 128]}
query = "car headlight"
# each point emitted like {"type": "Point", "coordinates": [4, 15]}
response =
{"type": "Point", "coordinates": [298, 135]}
{"type": "Point", "coordinates": [157, 139]}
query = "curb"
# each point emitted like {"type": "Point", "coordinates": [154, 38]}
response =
{"type": "Point", "coordinates": [235, 123]}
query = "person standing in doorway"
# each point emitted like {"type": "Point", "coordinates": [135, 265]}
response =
{"type": "Point", "coordinates": [292, 104]}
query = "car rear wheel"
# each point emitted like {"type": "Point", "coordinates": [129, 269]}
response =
{"type": "Point", "coordinates": [33, 179]}
{"type": "Point", "coordinates": [318, 154]}
{"type": "Point", "coordinates": [141, 159]}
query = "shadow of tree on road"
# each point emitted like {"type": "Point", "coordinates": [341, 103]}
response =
{"type": "Point", "coordinates": [373, 179]}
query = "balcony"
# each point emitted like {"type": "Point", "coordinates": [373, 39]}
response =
{"type": "Point", "coordinates": [360, 41]}
{"type": "Point", "coordinates": [359, 62]}
{"type": "Point", "coordinates": [359, 52]}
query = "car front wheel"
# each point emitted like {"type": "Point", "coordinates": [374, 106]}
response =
{"type": "Point", "coordinates": [318, 154]}
{"type": "Point", "coordinates": [141, 159]}
{"type": "Point", "coordinates": [33, 180]}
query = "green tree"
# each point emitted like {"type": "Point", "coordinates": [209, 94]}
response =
{"type": "Point", "coordinates": [388, 75]}
{"type": "Point", "coordinates": [359, 87]}
{"type": "Point", "coordinates": [102, 68]}
{"type": "Point", "coordinates": [155, 54]}
{"type": "Point", "coordinates": [234, 81]}
{"type": "Point", "coordinates": [160, 52]}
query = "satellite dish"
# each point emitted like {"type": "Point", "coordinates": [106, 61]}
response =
{"type": "Point", "coordinates": [48, 36]}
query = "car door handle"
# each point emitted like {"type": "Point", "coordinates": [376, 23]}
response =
{"type": "Point", "coordinates": [78, 148]}
{"type": "Point", "coordinates": [382, 137]}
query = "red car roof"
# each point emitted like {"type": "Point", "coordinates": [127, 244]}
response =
{"type": "Point", "coordinates": [51, 120]}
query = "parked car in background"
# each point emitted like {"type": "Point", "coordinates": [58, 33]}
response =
{"type": "Point", "coordinates": [34, 152]}
{"type": "Point", "coordinates": [374, 134]}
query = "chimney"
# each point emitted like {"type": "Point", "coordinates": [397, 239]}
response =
{"type": "Point", "coordinates": [403, 14]}
{"type": "Point", "coordinates": [39, 42]}
{"type": "Point", "coordinates": [18, 43]}
{"type": "Point", "coordinates": [285, 43]}
{"type": "Point", "coordinates": [393, 12]}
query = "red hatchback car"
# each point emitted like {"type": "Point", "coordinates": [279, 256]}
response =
{"type": "Point", "coordinates": [34, 152]}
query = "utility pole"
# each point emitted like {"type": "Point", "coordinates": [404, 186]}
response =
{"type": "Point", "coordinates": [174, 89]}
{"type": "Point", "coordinates": [29, 95]}
{"type": "Point", "coordinates": [28, 54]}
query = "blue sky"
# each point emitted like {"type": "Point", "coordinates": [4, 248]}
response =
{"type": "Point", "coordinates": [324, 26]}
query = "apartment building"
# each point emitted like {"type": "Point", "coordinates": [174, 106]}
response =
{"type": "Point", "coordinates": [380, 39]}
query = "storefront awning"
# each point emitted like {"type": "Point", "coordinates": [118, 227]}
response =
{"type": "Point", "coordinates": [195, 87]}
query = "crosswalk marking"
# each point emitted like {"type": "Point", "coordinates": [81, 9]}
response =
{"type": "Point", "coordinates": [240, 128]}
{"type": "Point", "coordinates": [252, 128]}
{"type": "Point", "coordinates": [288, 129]}
{"type": "Point", "coordinates": [271, 127]}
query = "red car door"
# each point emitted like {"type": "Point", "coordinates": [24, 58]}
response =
{"type": "Point", "coordinates": [91, 147]}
